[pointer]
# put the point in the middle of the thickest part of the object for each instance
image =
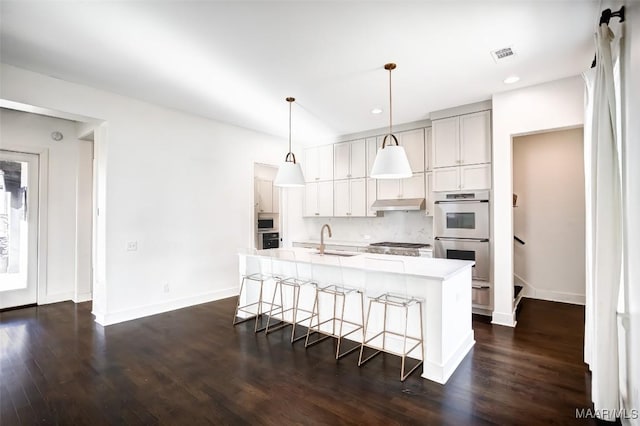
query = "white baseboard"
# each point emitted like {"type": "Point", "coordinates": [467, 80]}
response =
{"type": "Point", "coordinates": [55, 298]}
{"type": "Point", "coordinates": [533, 292]}
{"type": "Point", "coordinates": [507, 319]}
{"type": "Point", "coordinates": [557, 296]}
{"type": "Point", "coordinates": [440, 373]}
{"type": "Point", "coordinates": [83, 297]}
{"type": "Point", "coordinates": [110, 318]}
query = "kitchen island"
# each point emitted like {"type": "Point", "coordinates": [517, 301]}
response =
{"type": "Point", "coordinates": [443, 285]}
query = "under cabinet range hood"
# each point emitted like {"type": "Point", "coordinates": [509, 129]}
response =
{"type": "Point", "coordinates": [399, 204]}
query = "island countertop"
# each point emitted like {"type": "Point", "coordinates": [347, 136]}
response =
{"type": "Point", "coordinates": [425, 267]}
{"type": "Point", "coordinates": [443, 285]}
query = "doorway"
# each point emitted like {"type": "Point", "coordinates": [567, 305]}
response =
{"type": "Point", "coordinates": [19, 195]}
{"type": "Point", "coordinates": [549, 215]}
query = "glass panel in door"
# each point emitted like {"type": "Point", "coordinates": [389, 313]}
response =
{"type": "Point", "coordinates": [18, 228]}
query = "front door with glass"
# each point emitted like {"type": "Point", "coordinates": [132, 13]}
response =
{"type": "Point", "coordinates": [18, 229]}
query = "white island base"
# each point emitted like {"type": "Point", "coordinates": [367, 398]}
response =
{"type": "Point", "coordinates": [444, 286]}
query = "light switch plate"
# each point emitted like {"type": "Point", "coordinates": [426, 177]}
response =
{"type": "Point", "coordinates": [132, 246]}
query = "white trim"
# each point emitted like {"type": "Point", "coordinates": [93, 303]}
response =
{"type": "Point", "coordinates": [461, 110]}
{"type": "Point", "coordinates": [83, 297]}
{"type": "Point", "coordinates": [532, 292]}
{"type": "Point", "coordinates": [43, 199]}
{"type": "Point", "coordinates": [55, 298]}
{"type": "Point", "coordinates": [440, 373]}
{"type": "Point", "coordinates": [507, 319]}
{"type": "Point", "coordinates": [110, 318]}
{"type": "Point", "coordinates": [557, 296]}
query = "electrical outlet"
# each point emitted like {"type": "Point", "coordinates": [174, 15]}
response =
{"type": "Point", "coordinates": [166, 288]}
{"type": "Point", "coordinates": [132, 245]}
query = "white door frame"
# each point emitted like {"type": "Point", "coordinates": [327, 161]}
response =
{"type": "Point", "coordinates": [43, 197]}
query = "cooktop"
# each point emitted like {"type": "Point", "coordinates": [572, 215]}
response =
{"type": "Point", "coordinates": [400, 245]}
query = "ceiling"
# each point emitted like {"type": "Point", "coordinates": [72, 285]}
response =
{"type": "Point", "coordinates": [237, 61]}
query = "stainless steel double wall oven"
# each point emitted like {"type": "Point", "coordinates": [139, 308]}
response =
{"type": "Point", "coordinates": [461, 222]}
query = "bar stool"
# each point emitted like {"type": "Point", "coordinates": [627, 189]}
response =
{"type": "Point", "coordinates": [389, 292]}
{"type": "Point", "coordinates": [328, 275]}
{"type": "Point", "coordinates": [293, 284]}
{"type": "Point", "coordinates": [259, 275]}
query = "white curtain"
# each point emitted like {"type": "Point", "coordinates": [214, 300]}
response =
{"type": "Point", "coordinates": [604, 227]}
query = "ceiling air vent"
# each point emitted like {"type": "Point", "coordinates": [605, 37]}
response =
{"type": "Point", "coordinates": [502, 54]}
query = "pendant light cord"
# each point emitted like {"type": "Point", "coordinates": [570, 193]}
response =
{"type": "Point", "coordinates": [290, 126]}
{"type": "Point", "coordinates": [390, 103]}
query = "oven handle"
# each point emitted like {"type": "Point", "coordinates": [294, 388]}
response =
{"type": "Point", "coordinates": [472, 240]}
{"type": "Point", "coordinates": [460, 201]}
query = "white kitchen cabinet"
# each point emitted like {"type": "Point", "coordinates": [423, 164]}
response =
{"type": "Point", "coordinates": [427, 148]}
{"type": "Point", "coordinates": [461, 140]}
{"type": "Point", "coordinates": [372, 146]}
{"type": "Point", "coordinates": [473, 177]}
{"type": "Point", "coordinates": [318, 199]}
{"type": "Point", "coordinates": [318, 163]}
{"type": "Point", "coordinates": [476, 176]}
{"type": "Point", "coordinates": [445, 142]}
{"type": "Point", "coordinates": [412, 187]}
{"type": "Point", "coordinates": [349, 197]}
{"type": "Point", "coordinates": [358, 192]}
{"type": "Point", "coordinates": [372, 191]}
{"type": "Point", "coordinates": [267, 196]}
{"type": "Point", "coordinates": [428, 189]}
{"type": "Point", "coordinates": [341, 198]}
{"type": "Point", "coordinates": [349, 159]}
{"type": "Point", "coordinates": [475, 138]}
{"type": "Point", "coordinates": [413, 143]}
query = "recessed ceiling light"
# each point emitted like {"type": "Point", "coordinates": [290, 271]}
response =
{"type": "Point", "coordinates": [376, 111]}
{"type": "Point", "coordinates": [511, 79]}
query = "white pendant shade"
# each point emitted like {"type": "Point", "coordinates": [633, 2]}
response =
{"type": "Point", "coordinates": [289, 175]}
{"type": "Point", "coordinates": [391, 163]}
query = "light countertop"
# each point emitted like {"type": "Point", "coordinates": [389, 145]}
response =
{"type": "Point", "coordinates": [424, 267]}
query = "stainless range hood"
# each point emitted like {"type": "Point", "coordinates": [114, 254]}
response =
{"type": "Point", "coordinates": [398, 204]}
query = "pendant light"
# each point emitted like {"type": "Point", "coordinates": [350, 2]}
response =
{"type": "Point", "coordinates": [290, 172]}
{"type": "Point", "coordinates": [391, 160]}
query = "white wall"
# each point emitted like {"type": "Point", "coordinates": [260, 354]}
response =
{"type": "Point", "coordinates": [554, 105]}
{"type": "Point", "coordinates": [548, 177]}
{"type": "Point", "coordinates": [69, 186]}
{"type": "Point", "coordinates": [181, 186]}
{"type": "Point", "coordinates": [631, 186]}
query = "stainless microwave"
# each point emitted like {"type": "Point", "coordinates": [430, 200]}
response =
{"type": "Point", "coordinates": [265, 224]}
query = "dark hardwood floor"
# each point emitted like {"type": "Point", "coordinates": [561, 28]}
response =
{"type": "Point", "coordinates": [191, 367]}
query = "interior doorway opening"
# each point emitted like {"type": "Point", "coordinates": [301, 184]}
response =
{"type": "Point", "coordinates": [549, 215]}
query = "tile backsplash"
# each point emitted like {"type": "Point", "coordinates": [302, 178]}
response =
{"type": "Point", "coordinates": [396, 226]}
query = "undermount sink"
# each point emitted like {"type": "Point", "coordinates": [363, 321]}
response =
{"type": "Point", "coordinates": [336, 253]}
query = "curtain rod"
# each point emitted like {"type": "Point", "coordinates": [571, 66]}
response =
{"type": "Point", "coordinates": [605, 17]}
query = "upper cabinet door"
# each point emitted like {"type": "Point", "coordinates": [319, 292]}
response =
{"type": "Point", "coordinates": [358, 195]}
{"type": "Point", "coordinates": [310, 165]}
{"type": "Point", "coordinates": [311, 200]}
{"type": "Point", "coordinates": [372, 190]}
{"type": "Point", "coordinates": [325, 199]}
{"type": "Point", "coordinates": [475, 138]}
{"type": "Point", "coordinates": [389, 189]}
{"type": "Point", "coordinates": [265, 196]}
{"type": "Point", "coordinates": [342, 160]}
{"type": "Point", "coordinates": [413, 143]}
{"type": "Point", "coordinates": [341, 198]}
{"type": "Point", "coordinates": [428, 161]}
{"type": "Point", "coordinates": [373, 144]}
{"type": "Point", "coordinates": [445, 179]}
{"type": "Point", "coordinates": [325, 162]}
{"type": "Point", "coordinates": [413, 187]}
{"type": "Point", "coordinates": [445, 142]}
{"type": "Point", "coordinates": [358, 159]}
